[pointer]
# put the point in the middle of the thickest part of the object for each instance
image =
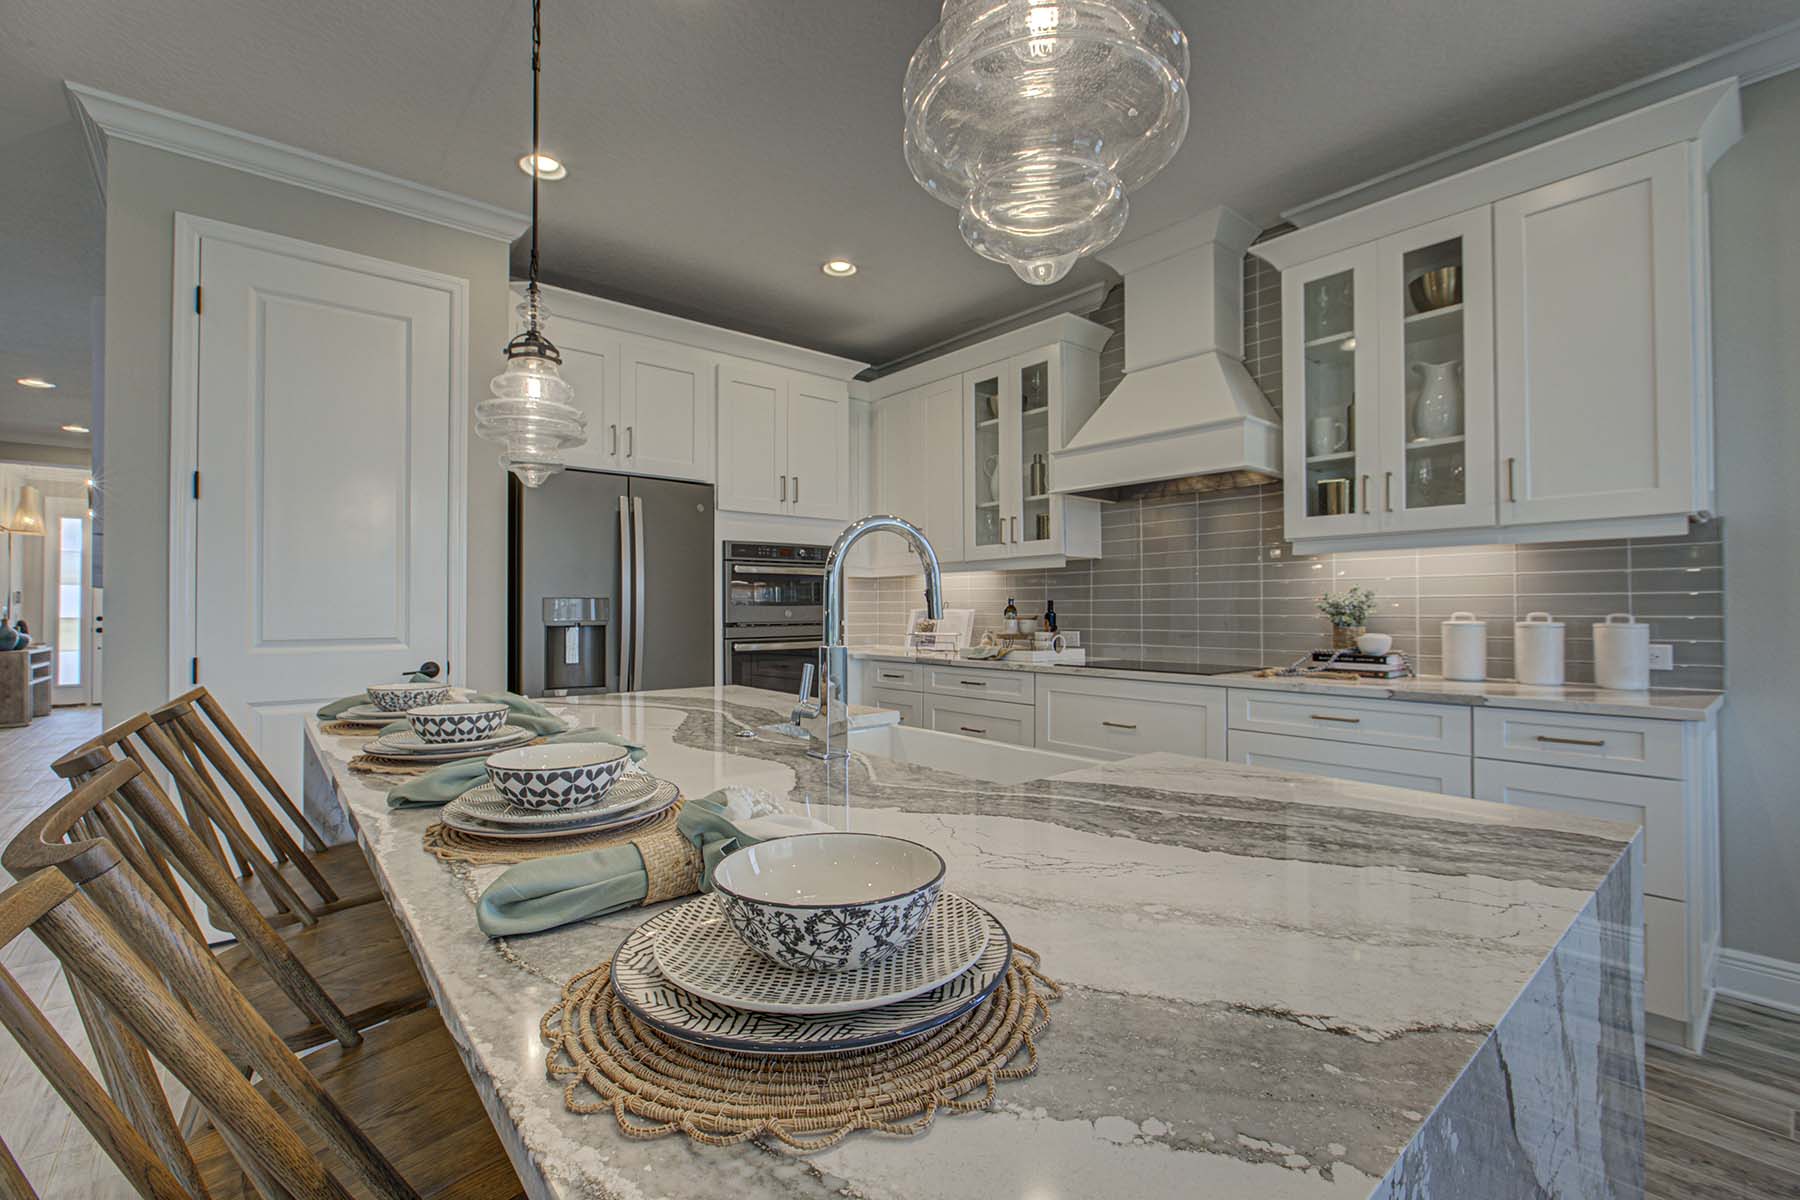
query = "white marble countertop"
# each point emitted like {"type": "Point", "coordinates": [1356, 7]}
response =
{"type": "Point", "coordinates": [1493, 693]}
{"type": "Point", "coordinates": [1276, 984]}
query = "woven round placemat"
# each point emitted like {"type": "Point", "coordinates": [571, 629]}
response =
{"type": "Point", "coordinates": [670, 859]}
{"type": "Point", "coordinates": [350, 729]}
{"type": "Point", "coordinates": [656, 1085]}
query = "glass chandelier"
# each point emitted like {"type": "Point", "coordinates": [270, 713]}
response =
{"type": "Point", "coordinates": [1036, 117]}
{"type": "Point", "coordinates": [530, 413]}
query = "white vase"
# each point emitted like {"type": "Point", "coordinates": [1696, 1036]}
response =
{"type": "Point", "coordinates": [1438, 412]}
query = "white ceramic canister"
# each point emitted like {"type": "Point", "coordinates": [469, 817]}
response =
{"type": "Point", "coordinates": [1622, 653]}
{"type": "Point", "coordinates": [1465, 647]}
{"type": "Point", "coordinates": [1538, 643]}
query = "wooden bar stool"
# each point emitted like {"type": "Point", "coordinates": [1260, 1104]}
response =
{"type": "Point", "coordinates": [395, 1118]}
{"type": "Point", "coordinates": [312, 982]}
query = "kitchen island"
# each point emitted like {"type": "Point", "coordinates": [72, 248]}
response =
{"type": "Point", "coordinates": [1276, 985]}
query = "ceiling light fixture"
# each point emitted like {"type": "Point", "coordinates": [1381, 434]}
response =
{"type": "Point", "coordinates": [75, 429]}
{"type": "Point", "coordinates": [548, 166]}
{"type": "Point", "coordinates": [530, 414]}
{"type": "Point", "coordinates": [838, 268]}
{"type": "Point", "coordinates": [32, 381]}
{"type": "Point", "coordinates": [1036, 117]}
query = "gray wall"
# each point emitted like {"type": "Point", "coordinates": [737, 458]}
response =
{"type": "Point", "coordinates": [145, 189]}
{"type": "Point", "coordinates": [1756, 342]}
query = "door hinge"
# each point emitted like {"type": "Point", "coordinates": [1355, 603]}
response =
{"type": "Point", "coordinates": [194, 670]}
{"type": "Point", "coordinates": [196, 485]}
{"type": "Point", "coordinates": [197, 307]}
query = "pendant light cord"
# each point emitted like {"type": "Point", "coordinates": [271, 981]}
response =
{"type": "Point", "coordinates": [537, 166]}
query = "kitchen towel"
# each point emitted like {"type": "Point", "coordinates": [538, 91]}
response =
{"type": "Point", "coordinates": [330, 712]}
{"type": "Point", "coordinates": [437, 788]}
{"type": "Point", "coordinates": [548, 892]}
{"type": "Point", "coordinates": [525, 714]}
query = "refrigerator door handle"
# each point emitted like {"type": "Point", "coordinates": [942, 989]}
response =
{"type": "Point", "coordinates": [625, 594]}
{"type": "Point", "coordinates": [637, 636]}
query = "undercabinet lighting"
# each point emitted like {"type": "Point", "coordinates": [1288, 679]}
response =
{"type": "Point", "coordinates": [75, 429]}
{"type": "Point", "coordinates": [548, 166]}
{"type": "Point", "coordinates": [32, 381]}
{"type": "Point", "coordinates": [1349, 344]}
{"type": "Point", "coordinates": [838, 268]}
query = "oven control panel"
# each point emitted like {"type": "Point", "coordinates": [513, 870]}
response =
{"type": "Point", "coordinates": [772, 552]}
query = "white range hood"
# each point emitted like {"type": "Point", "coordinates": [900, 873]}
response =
{"type": "Point", "coordinates": [1187, 414]}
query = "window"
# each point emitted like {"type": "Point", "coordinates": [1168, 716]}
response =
{"type": "Point", "coordinates": [69, 602]}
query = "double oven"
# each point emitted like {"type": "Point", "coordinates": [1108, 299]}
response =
{"type": "Point", "coordinates": [774, 613]}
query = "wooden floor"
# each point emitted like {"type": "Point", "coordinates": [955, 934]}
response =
{"type": "Point", "coordinates": [1722, 1127]}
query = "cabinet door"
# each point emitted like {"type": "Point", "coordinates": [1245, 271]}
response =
{"type": "Point", "coordinates": [590, 363]}
{"type": "Point", "coordinates": [1118, 718]}
{"type": "Point", "coordinates": [753, 438]}
{"type": "Point", "coordinates": [987, 450]}
{"type": "Point", "coordinates": [993, 720]}
{"type": "Point", "coordinates": [1594, 343]}
{"type": "Point", "coordinates": [1437, 374]}
{"type": "Point", "coordinates": [1329, 334]}
{"type": "Point", "coordinates": [1420, 770]}
{"type": "Point", "coordinates": [667, 393]}
{"type": "Point", "coordinates": [1036, 381]}
{"type": "Point", "coordinates": [818, 447]}
{"type": "Point", "coordinates": [941, 449]}
{"type": "Point", "coordinates": [899, 484]}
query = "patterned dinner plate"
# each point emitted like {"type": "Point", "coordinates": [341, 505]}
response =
{"type": "Point", "coordinates": [700, 953]}
{"type": "Point", "coordinates": [653, 796]}
{"type": "Point", "coordinates": [368, 714]}
{"type": "Point", "coordinates": [628, 791]}
{"type": "Point", "coordinates": [650, 997]}
{"type": "Point", "coordinates": [407, 744]}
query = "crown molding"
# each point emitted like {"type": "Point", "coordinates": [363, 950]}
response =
{"type": "Point", "coordinates": [105, 117]}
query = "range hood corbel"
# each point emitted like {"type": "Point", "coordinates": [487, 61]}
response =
{"type": "Point", "coordinates": [1187, 417]}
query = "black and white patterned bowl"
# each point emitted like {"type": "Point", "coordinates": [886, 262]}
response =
{"type": "Point", "coordinates": [829, 901]}
{"type": "Point", "coordinates": [399, 697]}
{"type": "Point", "coordinates": [556, 775]}
{"type": "Point", "coordinates": [441, 724]}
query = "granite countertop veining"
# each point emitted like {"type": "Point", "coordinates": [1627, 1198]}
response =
{"type": "Point", "coordinates": [1277, 985]}
{"type": "Point", "coordinates": [1493, 693]}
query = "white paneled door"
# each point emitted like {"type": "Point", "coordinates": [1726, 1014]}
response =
{"type": "Point", "coordinates": [328, 410]}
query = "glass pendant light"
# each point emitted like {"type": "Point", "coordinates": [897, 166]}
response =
{"type": "Point", "coordinates": [530, 413]}
{"type": "Point", "coordinates": [1034, 118]}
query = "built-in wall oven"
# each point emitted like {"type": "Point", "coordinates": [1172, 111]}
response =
{"type": "Point", "coordinates": [774, 613]}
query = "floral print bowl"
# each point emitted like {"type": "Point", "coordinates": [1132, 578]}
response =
{"type": "Point", "coordinates": [829, 901]}
{"type": "Point", "coordinates": [398, 697]}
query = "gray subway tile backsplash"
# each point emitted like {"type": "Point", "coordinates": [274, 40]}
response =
{"type": "Point", "coordinates": [1209, 579]}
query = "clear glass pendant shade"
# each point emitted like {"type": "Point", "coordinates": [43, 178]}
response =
{"type": "Point", "coordinates": [1034, 118]}
{"type": "Point", "coordinates": [530, 414]}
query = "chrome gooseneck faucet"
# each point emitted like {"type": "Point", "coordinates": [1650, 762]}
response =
{"type": "Point", "coordinates": [835, 655]}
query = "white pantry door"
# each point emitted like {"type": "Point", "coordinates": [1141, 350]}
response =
{"type": "Point", "coordinates": [325, 514]}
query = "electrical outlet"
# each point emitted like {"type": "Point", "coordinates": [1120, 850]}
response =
{"type": "Point", "coordinates": [1662, 656]}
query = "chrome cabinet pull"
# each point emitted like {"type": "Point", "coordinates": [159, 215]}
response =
{"type": "Point", "coordinates": [613, 432]}
{"type": "Point", "coordinates": [1388, 491]}
{"type": "Point", "coordinates": [630, 442]}
{"type": "Point", "coordinates": [1365, 505]}
{"type": "Point", "coordinates": [973, 730]}
{"type": "Point", "coordinates": [796, 489]}
{"type": "Point", "coordinates": [1339, 720]}
{"type": "Point", "coordinates": [886, 675]}
{"type": "Point", "coordinates": [1562, 741]}
{"type": "Point", "coordinates": [1117, 725]}
{"type": "Point", "coordinates": [1512, 492]}
{"type": "Point", "coordinates": [784, 489]}
{"type": "Point", "coordinates": [1015, 529]}
{"type": "Point", "coordinates": [972, 682]}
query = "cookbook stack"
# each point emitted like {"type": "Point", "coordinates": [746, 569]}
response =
{"type": "Point", "coordinates": [812, 944]}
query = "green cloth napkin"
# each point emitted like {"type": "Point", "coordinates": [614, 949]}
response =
{"type": "Point", "coordinates": [525, 714]}
{"type": "Point", "coordinates": [332, 711]}
{"type": "Point", "coordinates": [984, 652]}
{"type": "Point", "coordinates": [548, 892]}
{"type": "Point", "coordinates": [436, 788]}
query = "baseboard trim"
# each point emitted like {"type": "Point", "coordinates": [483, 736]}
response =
{"type": "Point", "coordinates": [1770, 982]}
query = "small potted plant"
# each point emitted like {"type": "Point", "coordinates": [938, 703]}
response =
{"type": "Point", "coordinates": [1348, 613]}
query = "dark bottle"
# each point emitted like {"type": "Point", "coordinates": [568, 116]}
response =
{"type": "Point", "coordinates": [1049, 616]}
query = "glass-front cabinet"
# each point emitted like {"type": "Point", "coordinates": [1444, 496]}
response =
{"type": "Point", "coordinates": [1389, 347]}
{"type": "Point", "coordinates": [1009, 414]}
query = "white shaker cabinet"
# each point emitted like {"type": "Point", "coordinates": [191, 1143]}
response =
{"type": "Point", "coordinates": [666, 399]}
{"type": "Point", "coordinates": [784, 441]}
{"type": "Point", "coordinates": [590, 364]}
{"type": "Point", "coordinates": [919, 471]}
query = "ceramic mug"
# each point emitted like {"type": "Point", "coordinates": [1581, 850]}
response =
{"type": "Point", "coordinates": [1326, 435]}
{"type": "Point", "coordinates": [1049, 641]}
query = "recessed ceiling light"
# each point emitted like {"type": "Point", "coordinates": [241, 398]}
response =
{"type": "Point", "coordinates": [549, 167]}
{"type": "Point", "coordinates": [75, 429]}
{"type": "Point", "coordinates": [32, 381]}
{"type": "Point", "coordinates": [838, 268]}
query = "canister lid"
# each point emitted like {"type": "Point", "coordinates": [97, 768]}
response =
{"type": "Point", "coordinates": [1464, 618]}
{"type": "Point", "coordinates": [1620, 620]}
{"type": "Point", "coordinates": [1539, 619]}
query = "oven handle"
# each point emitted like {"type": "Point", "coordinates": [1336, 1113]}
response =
{"type": "Point", "coordinates": [748, 569]}
{"type": "Point", "coordinates": [746, 647]}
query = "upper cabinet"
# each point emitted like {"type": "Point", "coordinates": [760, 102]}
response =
{"type": "Point", "coordinates": [1515, 353]}
{"type": "Point", "coordinates": [784, 442]}
{"type": "Point", "coordinates": [665, 410]}
{"type": "Point", "coordinates": [918, 471]}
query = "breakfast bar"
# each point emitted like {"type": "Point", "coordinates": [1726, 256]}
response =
{"type": "Point", "coordinates": [1272, 985]}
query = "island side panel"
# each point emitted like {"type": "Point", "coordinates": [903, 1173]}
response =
{"type": "Point", "coordinates": [1553, 1103]}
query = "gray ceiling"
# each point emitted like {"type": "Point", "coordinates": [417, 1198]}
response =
{"type": "Point", "coordinates": [719, 150]}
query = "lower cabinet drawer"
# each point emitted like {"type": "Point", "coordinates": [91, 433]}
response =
{"type": "Point", "coordinates": [1570, 740]}
{"type": "Point", "coordinates": [904, 676]}
{"type": "Point", "coordinates": [984, 683]}
{"type": "Point", "coordinates": [1655, 805]}
{"type": "Point", "coordinates": [1665, 958]}
{"type": "Point", "coordinates": [1421, 770]}
{"type": "Point", "coordinates": [1402, 724]}
{"type": "Point", "coordinates": [991, 719]}
{"type": "Point", "coordinates": [1117, 718]}
{"type": "Point", "coordinates": [908, 704]}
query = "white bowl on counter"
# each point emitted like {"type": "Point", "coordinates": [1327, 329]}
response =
{"type": "Point", "coordinates": [401, 697]}
{"type": "Point", "coordinates": [442, 724]}
{"type": "Point", "coordinates": [556, 775]}
{"type": "Point", "coordinates": [829, 901]}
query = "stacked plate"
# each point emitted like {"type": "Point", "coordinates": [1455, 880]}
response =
{"type": "Point", "coordinates": [692, 973]}
{"type": "Point", "coordinates": [633, 798]}
{"type": "Point", "coordinates": [368, 715]}
{"type": "Point", "coordinates": [410, 746]}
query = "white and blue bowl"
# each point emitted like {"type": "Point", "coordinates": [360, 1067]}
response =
{"type": "Point", "coordinates": [829, 901]}
{"type": "Point", "coordinates": [448, 724]}
{"type": "Point", "coordinates": [400, 697]}
{"type": "Point", "coordinates": [557, 774]}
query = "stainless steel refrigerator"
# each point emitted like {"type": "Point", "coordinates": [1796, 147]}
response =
{"type": "Point", "coordinates": [611, 584]}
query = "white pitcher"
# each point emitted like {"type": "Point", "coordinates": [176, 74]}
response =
{"type": "Point", "coordinates": [1438, 412]}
